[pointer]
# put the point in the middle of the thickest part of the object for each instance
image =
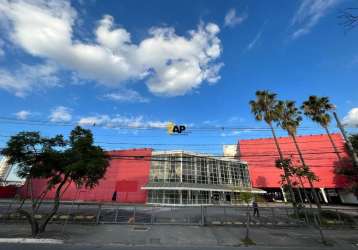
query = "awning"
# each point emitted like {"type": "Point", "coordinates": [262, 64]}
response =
{"type": "Point", "coordinates": [200, 187]}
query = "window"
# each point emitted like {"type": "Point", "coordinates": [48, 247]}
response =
{"type": "Point", "coordinates": [171, 197]}
{"type": "Point", "coordinates": [244, 174]}
{"type": "Point", "coordinates": [224, 172]}
{"type": "Point", "coordinates": [202, 171]}
{"type": "Point", "coordinates": [155, 196]}
{"type": "Point", "coordinates": [188, 169]}
{"type": "Point", "coordinates": [235, 170]}
{"type": "Point", "coordinates": [214, 171]}
{"type": "Point", "coordinates": [174, 168]}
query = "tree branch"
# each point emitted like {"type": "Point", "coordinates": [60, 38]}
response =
{"type": "Point", "coordinates": [56, 205]}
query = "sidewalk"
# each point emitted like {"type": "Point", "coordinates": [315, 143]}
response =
{"type": "Point", "coordinates": [160, 235]}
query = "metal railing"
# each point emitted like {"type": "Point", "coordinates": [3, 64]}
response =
{"type": "Point", "coordinates": [114, 213]}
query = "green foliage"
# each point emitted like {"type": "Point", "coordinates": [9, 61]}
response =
{"type": "Point", "coordinates": [56, 159]}
{"type": "Point", "coordinates": [317, 108]}
{"type": "Point", "coordinates": [289, 116]}
{"type": "Point", "coordinates": [349, 170]}
{"type": "Point", "coordinates": [265, 106]}
{"type": "Point", "coordinates": [283, 164]}
{"type": "Point", "coordinates": [246, 197]}
{"type": "Point", "coordinates": [354, 140]}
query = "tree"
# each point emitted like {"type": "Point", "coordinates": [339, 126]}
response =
{"type": "Point", "coordinates": [57, 160]}
{"type": "Point", "coordinates": [317, 108]}
{"type": "Point", "coordinates": [265, 109]}
{"type": "Point", "coordinates": [354, 140]}
{"type": "Point", "coordinates": [290, 119]}
{"type": "Point", "coordinates": [349, 171]}
{"type": "Point", "coordinates": [247, 198]}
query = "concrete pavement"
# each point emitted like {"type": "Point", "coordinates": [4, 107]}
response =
{"type": "Point", "coordinates": [184, 236]}
{"type": "Point", "coordinates": [112, 247]}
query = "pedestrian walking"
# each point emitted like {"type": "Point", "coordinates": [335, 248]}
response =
{"type": "Point", "coordinates": [256, 209]}
{"type": "Point", "coordinates": [114, 196]}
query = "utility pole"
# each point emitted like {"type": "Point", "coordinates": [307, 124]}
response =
{"type": "Point", "coordinates": [349, 144]}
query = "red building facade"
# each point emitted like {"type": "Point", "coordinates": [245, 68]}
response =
{"type": "Point", "coordinates": [127, 173]}
{"type": "Point", "coordinates": [318, 154]}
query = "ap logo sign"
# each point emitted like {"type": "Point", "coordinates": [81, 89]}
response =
{"type": "Point", "coordinates": [175, 129]}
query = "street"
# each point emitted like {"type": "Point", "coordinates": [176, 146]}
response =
{"type": "Point", "coordinates": [112, 247]}
{"type": "Point", "coordinates": [175, 237]}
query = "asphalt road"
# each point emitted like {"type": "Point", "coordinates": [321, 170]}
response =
{"type": "Point", "coordinates": [112, 247]}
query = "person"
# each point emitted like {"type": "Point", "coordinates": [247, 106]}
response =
{"type": "Point", "coordinates": [256, 208]}
{"type": "Point", "coordinates": [114, 196]}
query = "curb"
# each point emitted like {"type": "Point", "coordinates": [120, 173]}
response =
{"type": "Point", "coordinates": [30, 241]}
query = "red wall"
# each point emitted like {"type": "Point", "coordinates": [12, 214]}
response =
{"type": "Point", "coordinates": [317, 151]}
{"type": "Point", "coordinates": [126, 174]}
{"type": "Point", "coordinates": [7, 191]}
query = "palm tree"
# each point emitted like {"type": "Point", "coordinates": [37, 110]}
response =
{"type": "Point", "coordinates": [317, 108]}
{"type": "Point", "coordinates": [264, 108]}
{"type": "Point", "coordinates": [290, 119]}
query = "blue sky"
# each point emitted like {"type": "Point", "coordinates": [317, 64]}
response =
{"type": "Point", "coordinates": [124, 65]}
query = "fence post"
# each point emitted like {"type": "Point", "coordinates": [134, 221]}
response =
{"type": "Point", "coordinates": [152, 216]}
{"type": "Point", "coordinates": [98, 213]}
{"type": "Point", "coordinates": [202, 216]}
{"type": "Point", "coordinates": [116, 215]}
{"type": "Point", "coordinates": [134, 214]}
{"type": "Point", "coordinates": [339, 217]}
{"type": "Point", "coordinates": [273, 215]}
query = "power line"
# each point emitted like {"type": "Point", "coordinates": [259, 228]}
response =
{"type": "Point", "coordinates": [255, 142]}
{"type": "Point", "coordinates": [147, 127]}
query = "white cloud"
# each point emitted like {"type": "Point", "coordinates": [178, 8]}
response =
{"type": "Point", "coordinates": [308, 15]}
{"type": "Point", "coordinates": [231, 19]}
{"type": "Point", "coordinates": [23, 114]}
{"type": "Point", "coordinates": [351, 119]}
{"type": "Point", "coordinates": [126, 95]}
{"type": "Point", "coordinates": [170, 64]}
{"type": "Point", "coordinates": [60, 114]}
{"type": "Point", "coordinates": [253, 43]}
{"type": "Point", "coordinates": [120, 121]}
{"type": "Point", "coordinates": [28, 77]}
{"type": "Point", "coordinates": [2, 51]}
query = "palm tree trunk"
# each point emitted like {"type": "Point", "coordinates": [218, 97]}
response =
{"type": "Point", "coordinates": [285, 170]}
{"type": "Point", "coordinates": [304, 191]}
{"type": "Point", "coordinates": [315, 196]}
{"type": "Point", "coordinates": [333, 144]}
{"type": "Point", "coordinates": [302, 207]}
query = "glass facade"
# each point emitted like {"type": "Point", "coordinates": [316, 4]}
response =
{"type": "Point", "coordinates": [192, 172]}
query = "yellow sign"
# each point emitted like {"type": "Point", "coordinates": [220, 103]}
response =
{"type": "Point", "coordinates": [170, 127]}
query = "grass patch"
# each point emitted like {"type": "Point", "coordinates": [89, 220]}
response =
{"type": "Point", "coordinates": [248, 242]}
{"type": "Point", "coordinates": [328, 217]}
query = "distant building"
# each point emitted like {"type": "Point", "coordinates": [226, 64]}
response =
{"type": "Point", "coordinates": [180, 178]}
{"type": "Point", "coordinates": [230, 150]}
{"type": "Point", "coordinates": [163, 178]}
{"type": "Point", "coordinates": [319, 155]}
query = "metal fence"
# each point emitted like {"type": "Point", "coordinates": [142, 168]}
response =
{"type": "Point", "coordinates": [108, 213]}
